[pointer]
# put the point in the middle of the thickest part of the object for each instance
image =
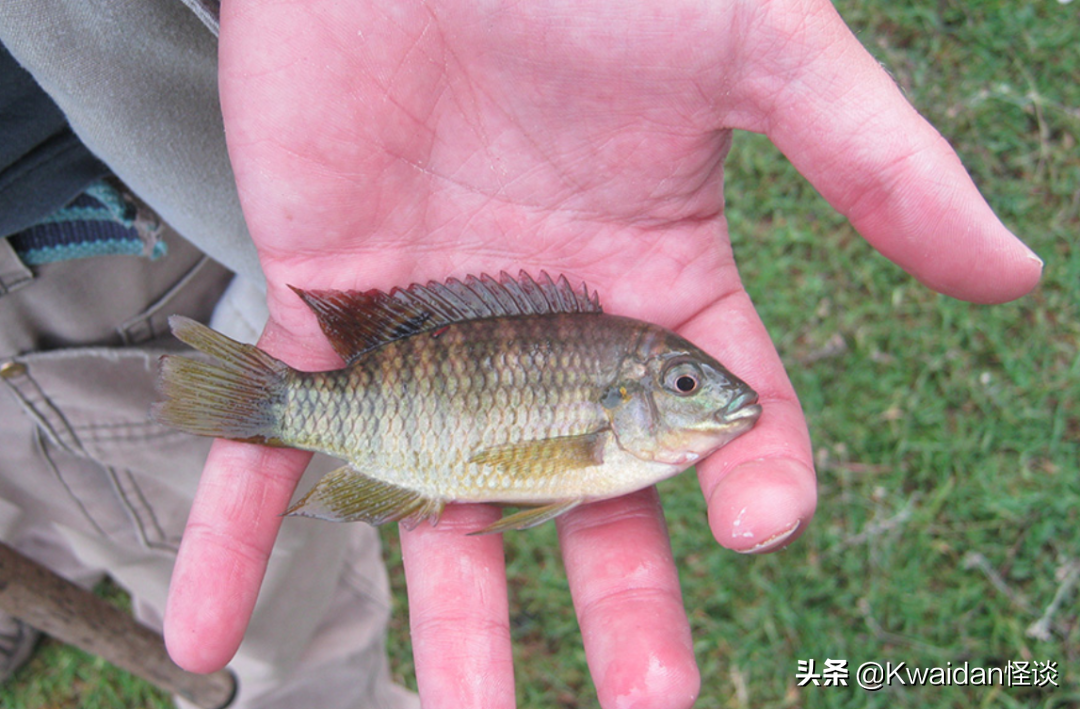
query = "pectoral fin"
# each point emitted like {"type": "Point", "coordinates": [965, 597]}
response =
{"type": "Point", "coordinates": [346, 495]}
{"type": "Point", "coordinates": [530, 517]}
{"type": "Point", "coordinates": [545, 454]}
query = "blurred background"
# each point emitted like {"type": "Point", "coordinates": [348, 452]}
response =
{"type": "Point", "coordinates": [947, 435]}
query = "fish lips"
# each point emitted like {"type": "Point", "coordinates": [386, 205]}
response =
{"type": "Point", "coordinates": [740, 414]}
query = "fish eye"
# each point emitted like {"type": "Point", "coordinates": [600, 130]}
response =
{"type": "Point", "coordinates": [686, 384]}
{"type": "Point", "coordinates": [682, 378]}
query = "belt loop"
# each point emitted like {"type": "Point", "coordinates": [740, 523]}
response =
{"type": "Point", "coordinates": [14, 274]}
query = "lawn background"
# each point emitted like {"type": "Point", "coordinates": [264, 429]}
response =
{"type": "Point", "coordinates": [947, 435]}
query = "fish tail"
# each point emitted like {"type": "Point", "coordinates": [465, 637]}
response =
{"type": "Point", "coordinates": [234, 399]}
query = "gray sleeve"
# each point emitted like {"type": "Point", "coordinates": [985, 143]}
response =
{"type": "Point", "coordinates": [137, 80]}
{"type": "Point", "coordinates": [208, 11]}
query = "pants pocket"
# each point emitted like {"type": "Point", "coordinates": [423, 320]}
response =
{"type": "Point", "coordinates": [80, 448]}
{"type": "Point", "coordinates": [78, 360]}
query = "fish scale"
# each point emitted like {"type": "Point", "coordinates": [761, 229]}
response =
{"type": "Point", "coordinates": [512, 391]}
{"type": "Point", "coordinates": [478, 404]}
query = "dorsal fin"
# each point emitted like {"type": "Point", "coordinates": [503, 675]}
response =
{"type": "Point", "coordinates": [356, 322]}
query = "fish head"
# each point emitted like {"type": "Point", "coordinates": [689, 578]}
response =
{"type": "Point", "coordinates": [700, 407]}
{"type": "Point", "coordinates": [678, 404]}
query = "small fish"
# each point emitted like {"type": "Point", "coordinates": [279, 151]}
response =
{"type": "Point", "coordinates": [513, 391]}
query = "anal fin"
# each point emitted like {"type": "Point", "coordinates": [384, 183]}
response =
{"type": "Point", "coordinates": [346, 495]}
{"type": "Point", "coordinates": [530, 517]}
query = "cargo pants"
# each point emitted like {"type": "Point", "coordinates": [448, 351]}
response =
{"type": "Point", "coordinates": [89, 485]}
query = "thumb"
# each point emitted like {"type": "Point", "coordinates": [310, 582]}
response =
{"type": "Point", "coordinates": [844, 124]}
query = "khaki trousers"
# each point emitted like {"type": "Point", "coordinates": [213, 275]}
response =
{"type": "Point", "coordinates": [88, 485]}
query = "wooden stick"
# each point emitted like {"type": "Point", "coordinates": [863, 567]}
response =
{"type": "Point", "coordinates": [75, 616]}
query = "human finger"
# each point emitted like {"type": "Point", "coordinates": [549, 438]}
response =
{"type": "Point", "coordinates": [231, 529]}
{"type": "Point", "coordinates": [222, 559]}
{"type": "Point", "coordinates": [629, 606]}
{"type": "Point", "coordinates": [761, 487]}
{"type": "Point", "coordinates": [458, 611]}
{"type": "Point", "coordinates": [845, 125]}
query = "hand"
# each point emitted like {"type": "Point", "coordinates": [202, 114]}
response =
{"type": "Point", "coordinates": [377, 144]}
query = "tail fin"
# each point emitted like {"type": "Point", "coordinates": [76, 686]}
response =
{"type": "Point", "coordinates": [235, 399]}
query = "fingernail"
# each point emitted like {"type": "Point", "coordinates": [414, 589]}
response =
{"type": "Point", "coordinates": [774, 542]}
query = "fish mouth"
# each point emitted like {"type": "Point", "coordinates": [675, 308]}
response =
{"type": "Point", "coordinates": [743, 411]}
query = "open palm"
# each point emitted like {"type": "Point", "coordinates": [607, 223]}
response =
{"type": "Point", "coordinates": [378, 144]}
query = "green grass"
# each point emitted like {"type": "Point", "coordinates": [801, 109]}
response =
{"type": "Point", "coordinates": [60, 676]}
{"type": "Point", "coordinates": [947, 435]}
